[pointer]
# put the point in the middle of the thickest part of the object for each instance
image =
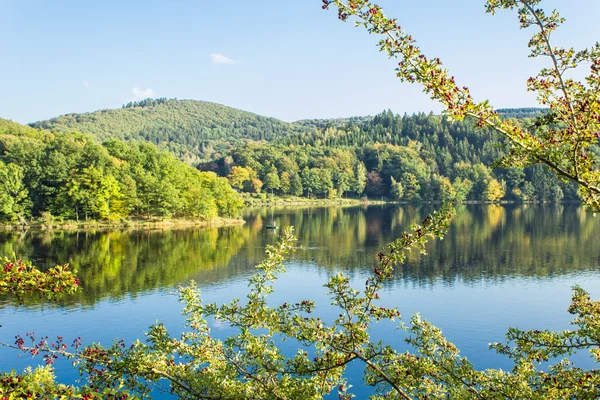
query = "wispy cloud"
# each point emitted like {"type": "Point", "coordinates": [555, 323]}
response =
{"type": "Point", "coordinates": [221, 59]}
{"type": "Point", "coordinates": [86, 84]}
{"type": "Point", "coordinates": [143, 93]}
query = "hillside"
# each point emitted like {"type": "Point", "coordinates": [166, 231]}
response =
{"type": "Point", "coordinates": [404, 157]}
{"type": "Point", "coordinates": [199, 132]}
{"type": "Point", "coordinates": [188, 128]}
{"type": "Point", "coordinates": [8, 127]}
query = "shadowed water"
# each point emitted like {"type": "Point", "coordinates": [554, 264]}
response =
{"type": "Point", "coordinates": [499, 266]}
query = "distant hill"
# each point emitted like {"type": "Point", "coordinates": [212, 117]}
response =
{"type": "Point", "coordinates": [332, 122]}
{"type": "Point", "coordinates": [184, 127]}
{"type": "Point", "coordinates": [8, 127]}
{"type": "Point", "coordinates": [519, 113]}
{"type": "Point", "coordinates": [199, 132]}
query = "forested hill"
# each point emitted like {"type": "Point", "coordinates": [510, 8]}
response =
{"type": "Point", "coordinates": [8, 127]}
{"type": "Point", "coordinates": [199, 132]}
{"type": "Point", "coordinates": [188, 128]}
{"type": "Point", "coordinates": [409, 158]}
{"type": "Point", "coordinates": [406, 157]}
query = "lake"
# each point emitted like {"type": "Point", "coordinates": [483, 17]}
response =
{"type": "Point", "coordinates": [499, 266]}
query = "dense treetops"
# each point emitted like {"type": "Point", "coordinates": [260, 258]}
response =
{"type": "Point", "coordinates": [184, 127]}
{"type": "Point", "coordinates": [13, 128]}
{"type": "Point", "coordinates": [72, 176]}
{"type": "Point", "coordinates": [408, 158]}
{"type": "Point", "coordinates": [330, 157]}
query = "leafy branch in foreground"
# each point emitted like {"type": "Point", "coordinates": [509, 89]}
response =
{"type": "Point", "coordinates": [23, 281]}
{"type": "Point", "coordinates": [561, 138]}
{"type": "Point", "coordinates": [20, 278]}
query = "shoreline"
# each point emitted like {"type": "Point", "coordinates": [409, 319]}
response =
{"type": "Point", "coordinates": [133, 224]}
{"type": "Point", "coordinates": [299, 201]}
{"type": "Point", "coordinates": [138, 224]}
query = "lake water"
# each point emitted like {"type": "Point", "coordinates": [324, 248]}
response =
{"type": "Point", "coordinates": [499, 266]}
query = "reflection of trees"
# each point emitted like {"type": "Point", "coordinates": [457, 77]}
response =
{"type": "Point", "coordinates": [116, 263]}
{"type": "Point", "coordinates": [521, 241]}
{"type": "Point", "coordinates": [484, 242]}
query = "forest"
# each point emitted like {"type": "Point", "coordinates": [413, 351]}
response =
{"type": "Point", "coordinates": [409, 158]}
{"type": "Point", "coordinates": [70, 176]}
{"type": "Point", "coordinates": [412, 158]}
{"type": "Point", "coordinates": [194, 131]}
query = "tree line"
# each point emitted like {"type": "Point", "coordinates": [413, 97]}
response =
{"type": "Point", "coordinates": [72, 176]}
{"type": "Point", "coordinates": [410, 158]}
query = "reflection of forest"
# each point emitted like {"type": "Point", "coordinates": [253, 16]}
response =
{"type": "Point", "coordinates": [485, 241]}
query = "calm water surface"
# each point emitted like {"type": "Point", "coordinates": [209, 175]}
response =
{"type": "Point", "coordinates": [499, 266]}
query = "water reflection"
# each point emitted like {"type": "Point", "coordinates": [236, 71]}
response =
{"type": "Point", "coordinates": [488, 242]}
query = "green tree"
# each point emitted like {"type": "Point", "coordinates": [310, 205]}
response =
{"type": "Point", "coordinates": [296, 184]}
{"type": "Point", "coordinates": [110, 203]}
{"type": "Point", "coordinates": [83, 188]}
{"type": "Point", "coordinates": [442, 189]}
{"type": "Point", "coordinates": [14, 201]}
{"type": "Point", "coordinates": [271, 181]}
{"type": "Point", "coordinates": [284, 183]}
{"type": "Point", "coordinates": [342, 180]}
{"type": "Point", "coordinates": [360, 174]}
{"type": "Point", "coordinates": [462, 188]}
{"type": "Point", "coordinates": [238, 177]}
{"type": "Point", "coordinates": [411, 186]}
{"type": "Point", "coordinates": [494, 190]}
{"type": "Point", "coordinates": [309, 181]}
{"type": "Point", "coordinates": [397, 190]}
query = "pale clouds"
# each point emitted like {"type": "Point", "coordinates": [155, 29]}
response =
{"type": "Point", "coordinates": [143, 93]}
{"type": "Point", "coordinates": [221, 59]}
{"type": "Point", "coordinates": [86, 84]}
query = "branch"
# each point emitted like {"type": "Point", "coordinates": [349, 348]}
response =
{"type": "Point", "coordinates": [545, 160]}
{"type": "Point", "coordinates": [181, 384]}
{"type": "Point", "coordinates": [383, 375]}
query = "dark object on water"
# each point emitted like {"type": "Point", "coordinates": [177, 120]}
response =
{"type": "Point", "coordinates": [272, 226]}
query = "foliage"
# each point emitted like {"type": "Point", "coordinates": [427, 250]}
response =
{"type": "Point", "coordinates": [20, 279]}
{"type": "Point", "coordinates": [40, 384]}
{"type": "Point", "coordinates": [23, 281]}
{"type": "Point", "coordinates": [13, 128]}
{"type": "Point", "coordinates": [70, 176]}
{"type": "Point", "coordinates": [193, 130]}
{"type": "Point", "coordinates": [208, 134]}
{"type": "Point", "coordinates": [14, 203]}
{"type": "Point", "coordinates": [417, 149]}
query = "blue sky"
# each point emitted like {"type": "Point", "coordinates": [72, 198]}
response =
{"type": "Point", "coordinates": [288, 59]}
